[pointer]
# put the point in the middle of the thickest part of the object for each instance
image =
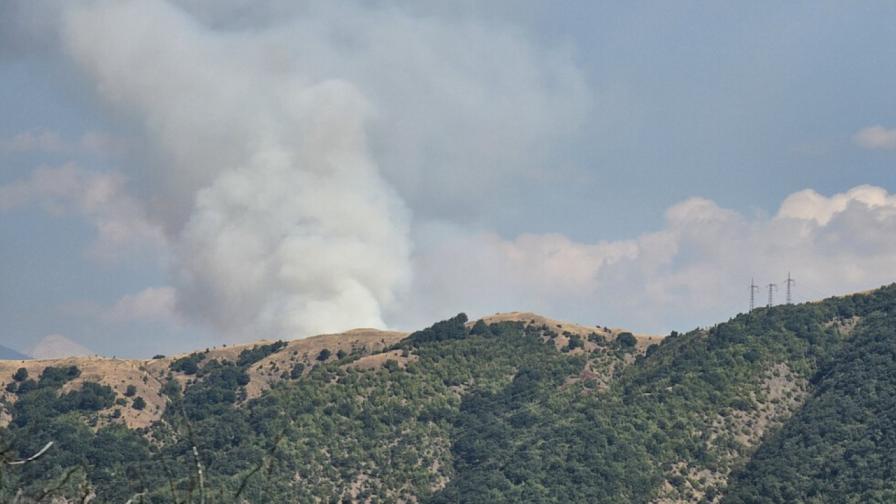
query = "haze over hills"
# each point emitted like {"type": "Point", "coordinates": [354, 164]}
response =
{"type": "Point", "coordinates": [9, 353]}
{"type": "Point", "coordinates": [785, 404]}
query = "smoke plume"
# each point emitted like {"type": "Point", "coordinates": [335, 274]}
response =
{"type": "Point", "coordinates": [278, 220]}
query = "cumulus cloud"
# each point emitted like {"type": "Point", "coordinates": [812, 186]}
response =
{"type": "Point", "coordinates": [100, 197]}
{"type": "Point", "coordinates": [696, 268]}
{"type": "Point", "coordinates": [876, 137]}
{"type": "Point", "coordinates": [811, 206]}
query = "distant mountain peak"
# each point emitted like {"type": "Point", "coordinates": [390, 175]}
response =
{"type": "Point", "coordinates": [57, 346]}
{"type": "Point", "coordinates": [7, 353]}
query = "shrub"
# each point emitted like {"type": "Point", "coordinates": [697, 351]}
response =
{"type": "Point", "coordinates": [626, 340]}
{"type": "Point", "coordinates": [324, 354]}
{"type": "Point", "coordinates": [139, 404]}
{"type": "Point", "coordinates": [57, 376]}
{"type": "Point", "coordinates": [20, 375]}
{"type": "Point", "coordinates": [130, 391]}
{"type": "Point", "coordinates": [26, 386]}
{"type": "Point", "coordinates": [445, 330]}
{"type": "Point", "coordinates": [171, 388]}
{"type": "Point", "coordinates": [480, 327]}
{"type": "Point", "coordinates": [188, 365]}
{"type": "Point", "coordinates": [596, 338]}
{"type": "Point", "coordinates": [258, 352]}
{"type": "Point", "coordinates": [575, 341]}
{"type": "Point", "coordinates": [91, 397]}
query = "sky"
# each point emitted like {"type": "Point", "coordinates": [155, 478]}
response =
{"type": "Point", "coordinates": [182, 174]}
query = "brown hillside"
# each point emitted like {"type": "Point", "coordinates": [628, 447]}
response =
{"type": "Point", "coordinates": [149, 375]}
{"type": "Point", "coordinates": [563, 329]}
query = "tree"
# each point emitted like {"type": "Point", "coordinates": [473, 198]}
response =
{"type": "Point", "coordinates": [20, 375]}
{"type": "Point", "coordinates": [575, 341]}
{"type": "Point", "coordinates": [626, 340]}
{"type": "Point", "coordinates": [139, 404]}
{"type": "Point", "coordinates": [130, 391]}
{"type": "Point", "coordinates": [480, 327]}
{"type": "Point", "coordinates": [188, 365]}
{"type": "Point", "coordinates": [324, 354]}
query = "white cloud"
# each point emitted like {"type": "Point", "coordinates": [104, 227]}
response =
{"type": "Point", "coordinates": [809, 205]}
{"type": "Point", "coordinates": [99, 197]}
{"type": "Point", "coordinates": [697, 267]}
{"type": "Point", "coordinates": [876, 137]}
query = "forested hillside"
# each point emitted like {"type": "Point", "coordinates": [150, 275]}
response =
{"type": "Point", "coordinates": [792, 403]}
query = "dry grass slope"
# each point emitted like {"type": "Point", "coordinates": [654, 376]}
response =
{"type": "Point", "coordinates": [149, 375]}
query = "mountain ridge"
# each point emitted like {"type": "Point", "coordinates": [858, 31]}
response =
{"type": "Point", "coordinates": [509, 408]}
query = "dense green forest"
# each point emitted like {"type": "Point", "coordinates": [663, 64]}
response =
{"type": "Point", "coordinates": [785, 404]}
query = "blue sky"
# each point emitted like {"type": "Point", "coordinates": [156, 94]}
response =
{"type": "Point", "coordinates": [183, 174]}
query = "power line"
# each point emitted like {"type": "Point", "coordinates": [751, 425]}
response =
{"type": "Point", "coordinates": [771, 289]}
{"type": "Point", "coordinates": [753, 289]}
{"type": "Point", "coordinates": [790, 281]}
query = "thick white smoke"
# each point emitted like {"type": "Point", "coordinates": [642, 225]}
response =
{"type": "Point", "coordinates": [272, 144]}
{"type": "Point", "coordinates": [278, 220]}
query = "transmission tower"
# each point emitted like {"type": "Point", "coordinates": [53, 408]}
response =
{"type": "Point", "coordinates": [753, 289]}
{"type": "Point", "coordinates": [771, 290]}
{"type": "Point", "coordinates": [790, 282]}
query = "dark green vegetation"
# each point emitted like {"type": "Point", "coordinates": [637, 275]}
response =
{"type": "Point", "coordinates": [789, 404]}
{"type": "Point", "coordinates": [841, 446]}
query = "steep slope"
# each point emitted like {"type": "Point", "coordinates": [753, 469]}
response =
{"type": "Point", "coordinates": [841, 446]}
